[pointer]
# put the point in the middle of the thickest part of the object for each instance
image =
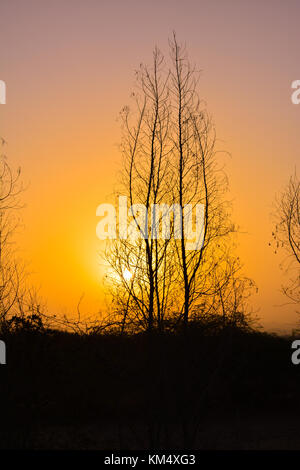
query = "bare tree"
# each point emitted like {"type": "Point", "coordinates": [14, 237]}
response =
{"type": "Point", "coordinates": [11, 273]}
{"type": "Point", "coordinates": [199, 179]}
{"type": "Point", "coordinates": [169, 159]}
{"type": "Point", "coordinates": [146, 181]}
{"type": "Point", "coordinates": [286, 235]}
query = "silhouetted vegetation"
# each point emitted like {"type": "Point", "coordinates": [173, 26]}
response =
{"type": "Point", "coordinates": [172, 173]}
{"type": "Point", "coordinates": [66, 390]}
{"type": "Point", "coordinates": [286, 236]}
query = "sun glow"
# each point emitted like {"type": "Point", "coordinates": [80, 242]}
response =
{"type": "Point", "coordinates": [127, 274]}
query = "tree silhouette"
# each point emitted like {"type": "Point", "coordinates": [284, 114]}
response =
{"type": "Point", "coordinates": [169, 159]}
{"type": "Point", "coordinates": [198, 181]}
{"type": "Point", "coordinates": [11, 273]}
{"type": "Point", "coordinates": [146, 181]}
{"type": "Point", "coordinates": [286, 235]}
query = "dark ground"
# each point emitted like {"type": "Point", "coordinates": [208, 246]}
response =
{"type": "Point", "coordinates": [205, 389]}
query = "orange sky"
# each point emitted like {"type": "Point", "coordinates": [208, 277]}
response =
{"type": "Point", "coordinates": [69, 68]}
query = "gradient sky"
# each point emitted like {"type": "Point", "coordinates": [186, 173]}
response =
{"type": "Point", "coordinates": [69, 68]}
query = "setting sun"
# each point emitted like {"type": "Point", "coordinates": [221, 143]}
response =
{"type": "Point", "coordinates": [127, 275]}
